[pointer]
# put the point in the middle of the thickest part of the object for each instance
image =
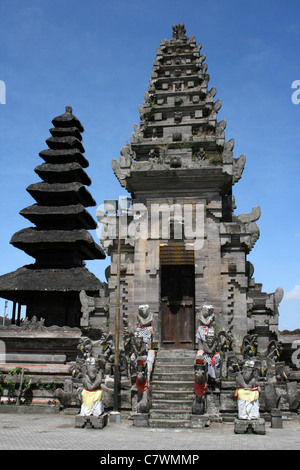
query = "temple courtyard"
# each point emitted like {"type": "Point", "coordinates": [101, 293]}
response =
{"type": "Point", "coordinates": [57, 432]}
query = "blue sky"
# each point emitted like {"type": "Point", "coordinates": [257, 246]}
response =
{"type": "Point", "coordinates": [97, 57]}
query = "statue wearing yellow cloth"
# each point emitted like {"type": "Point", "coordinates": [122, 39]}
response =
{"type": "Point", "coordinates": [247, 393]}
{"type": "Point", "coordinates": [91, 395]}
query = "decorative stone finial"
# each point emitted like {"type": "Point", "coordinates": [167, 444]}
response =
{"type": "Point", "coordinates": [179, 31]}
{"type": "Point", "coordinates": [69, 110]}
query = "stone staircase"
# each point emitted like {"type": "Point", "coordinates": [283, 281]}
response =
{"type": "Point", "coordinates": [172, 388]}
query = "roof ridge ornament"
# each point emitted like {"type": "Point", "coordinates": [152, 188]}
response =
{"type": "Point", "coordinates": [179, 31]}
{"type": "Point", "coordinates": [69, 110]}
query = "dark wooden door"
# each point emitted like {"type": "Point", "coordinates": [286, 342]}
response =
{"type": "Point", "coordinates": [177, 302]}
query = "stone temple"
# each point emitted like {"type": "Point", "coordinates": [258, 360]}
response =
{"type": "Point", "coordinates": [177, 167]}
{"type": "Point", "coordinates": [181, 333]}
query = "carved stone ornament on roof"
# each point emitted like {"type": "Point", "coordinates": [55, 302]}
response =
{"type": "Point", "coordinates": [179, 31]}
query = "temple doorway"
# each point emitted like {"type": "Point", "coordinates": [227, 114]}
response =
{"type": "Point", "coordinates": [178, 306]}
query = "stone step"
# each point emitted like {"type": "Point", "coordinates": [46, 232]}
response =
{"type": "Point", "coordinates": [184, 405]}
{"type": "Point", "coordinates": [168, 360]}
{"type": "Point", "coordinates": [37, 368]}
{"type": "Point", "coordinates": [172, 395]}
{"type": "Point", "coordinates": [170, 414]}
{"type": "Point", "coordinates": [170, 368]}
{"type": "Point", "coordinates": [173, 377]}
{"type": "Point", "coordinates": [187, 386]}
{"type": "Point", "coordinates": [177, 352]}
{"type": "Point", "coordinates": [168, 423]}
{"type": "Point", "coordinates": [172, 387]}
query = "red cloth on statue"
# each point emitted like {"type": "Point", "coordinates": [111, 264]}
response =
{"type": "Point", "coordinates": [200, 389]}
{"type": "Point", "coordinates": [142, 386]}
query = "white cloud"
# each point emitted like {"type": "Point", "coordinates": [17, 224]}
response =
{"type": "Point", "coordinates": [293, 294]}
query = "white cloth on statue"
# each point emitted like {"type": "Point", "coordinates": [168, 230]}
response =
{"type": "Point", "coordinates": [96, 410]}
{"type": "Point", "coordinates": [203, 330]}
{"type": "Point", "coordinates": [150, 361]}
{"type": "Point", "coordinates": [248, 410]}
{"type": "Point", "coordinates": [92, 402]}
{"type": "Point", "coordinates": [145, 332]}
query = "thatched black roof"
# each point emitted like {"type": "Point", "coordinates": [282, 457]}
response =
{"type": "Point", "coordinates": [23, 283]}
{"type": "Point", "coordinates": [61, 193]}
{"type": "Point", "coordinates": [32, 241]}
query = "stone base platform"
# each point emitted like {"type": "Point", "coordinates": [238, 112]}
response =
{"type": "Point", "coordinates": [140, 419]}
{"type": "Point", "coordinates": [96, 422]}
{"type": "Point", "coordinates": [200, 421]}
{"type": "Point", "coordinates": [256, 426]}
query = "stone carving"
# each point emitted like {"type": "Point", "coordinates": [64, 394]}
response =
{"type": "Point", "coordinates": [175, 161]}
{"type": "Point", "coordinates": [137, 134]}
{"type": "Point", "coordinates": [142, 357]}
{"type": "Point", "coordinates": [91, 395]}
{"type": "Point", "coordinates": [272, 396]}
{"type": "Point", "coordinates": [249, 346]}
{"type": "Point", "coordinates": [200, 385]}
{"type": "Point", "coordinates": [234, 366]}
{"type": "Point", "coordinates": [247, 392]}
{"type": "Point", "coordinates": [144, 327]}
{"type": "Point", "coordinates": [206, 315]}
{"type": "Point", "coordinates": [91, 398]}
{"type": "Point", "coordinates": [225, 339]}
{"type": "Point", "coordinates": [293, 396]}
{"type": "Point", "coordinates": [251, 216]}
{"type": "Point", "coordinates": [179, 31]}
{"type": "Point", "coordinates": [108, 356]}
{"type": "Point", "coordinates": [126, 156]}
{"type": "Point", "coordinates": [208, 346]}
{"type": "Point", "coordinates": [68, 396]}
{"type": "Point", "coordinates": [138, 348]}
{"type": "Point", "coordinates": [35, 324]}
{"type": "Point", "coordinates": [238, 168]}
{"type": "Point", "coordinates": [200, 154]}
{"type": "Point", "coordinates": [142, 385]}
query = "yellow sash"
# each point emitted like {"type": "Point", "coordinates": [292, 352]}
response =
{"type": "Point", "coordinates": [247, 395]}
{"type": "Point", "coordinates": [90, 397]}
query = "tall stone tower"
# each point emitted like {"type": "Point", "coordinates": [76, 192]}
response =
{"type": "Point", "coordinates": [182, 246]}
{"type": "Point", "coordinates": [60, 240]}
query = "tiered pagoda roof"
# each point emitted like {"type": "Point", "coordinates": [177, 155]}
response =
{"type": "Point", "coordinates": [60, 240]}
{"type": "Point", "coordinates": [61, 236]}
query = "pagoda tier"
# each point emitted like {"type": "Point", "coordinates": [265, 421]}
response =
{"type": "Point", "coordinates": [60, 241]}
{"type": "Point", "coordinates": [60, 237]}
{"type": "Point", "coordinates": [59, 194]}
{"type": "Point", "coordinates": [178, 128]}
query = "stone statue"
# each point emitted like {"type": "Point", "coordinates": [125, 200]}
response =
{"type": "Point", "coordinates": [144, 327]}
{"type": "Point", "coordinates": [84, 352]}
{"type": "Point", "coordinates": [138, 349]}
{"type": "Point", "coordinates": [247, 393]}
{"type": "Point", "coordinates": [91, 394]}
{"type": "Point", "coordinates": [293, 396]}
{"type": "Point", "coordinates": [200, 385]}
{"type": "Point", "coordinates": [208, 346]}
{"type": "Point", "coordinates": [272, 396]}
{"type": "Point", "coordinates": [234, 366]}
{"type": "Point", "coordinates": [108, 356]}
{"type": "Point", "coordinates": [142, 385]}
{"type": "Point", "coordinates": [249, 346]}
{"type": "Point", "coordinates": [225, 339]}
{"type": "Point", "coordinates": [206, 315]}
